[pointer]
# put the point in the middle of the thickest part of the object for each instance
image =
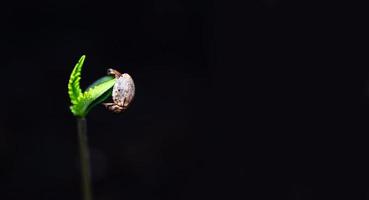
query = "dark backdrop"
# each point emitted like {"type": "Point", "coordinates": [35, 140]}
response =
{"type": "Point", "coordinates": [234, 101]}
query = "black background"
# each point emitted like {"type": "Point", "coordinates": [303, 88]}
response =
{"type": "Point", "coordinates": [262, 100]}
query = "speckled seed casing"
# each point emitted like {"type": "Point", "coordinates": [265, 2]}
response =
{"type": "Point", "coordinates": [123, 90]}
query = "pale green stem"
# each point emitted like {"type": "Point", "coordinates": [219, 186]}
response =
{"type": "Point", "coordinates": [84, 157]}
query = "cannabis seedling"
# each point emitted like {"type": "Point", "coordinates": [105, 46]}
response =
{"type": "Point", "coordinates": [123, 90]}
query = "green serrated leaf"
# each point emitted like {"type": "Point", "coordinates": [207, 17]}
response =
{"type": "Point", "coordinates": [74, 89]}
{"type": "Point", "coordinates": [92, 94]}
{"type": "Point", "coordinates": [97, 92]}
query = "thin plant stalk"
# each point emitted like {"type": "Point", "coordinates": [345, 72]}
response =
{"type": "Point", "coordinates": [84, 158]}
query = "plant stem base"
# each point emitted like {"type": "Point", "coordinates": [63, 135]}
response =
{"type": "Point", "coordinates": [84, 158]}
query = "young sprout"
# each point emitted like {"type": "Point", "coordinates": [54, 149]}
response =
{"type": "Point", "coordinates": [119, 85]}
{"type": "Point", "coordinates": [83, 102]}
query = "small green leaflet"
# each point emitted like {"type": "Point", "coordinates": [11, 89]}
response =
{"type": "Point", "coordinates": [74, 89]}
{"type": "Point", "coordinates": [83, 102]}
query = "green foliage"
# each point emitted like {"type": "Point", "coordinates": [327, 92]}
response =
{"type": "Point", "coordinates": [83, 102]}
{"type": "Point", "coordinates": [74, 89]}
